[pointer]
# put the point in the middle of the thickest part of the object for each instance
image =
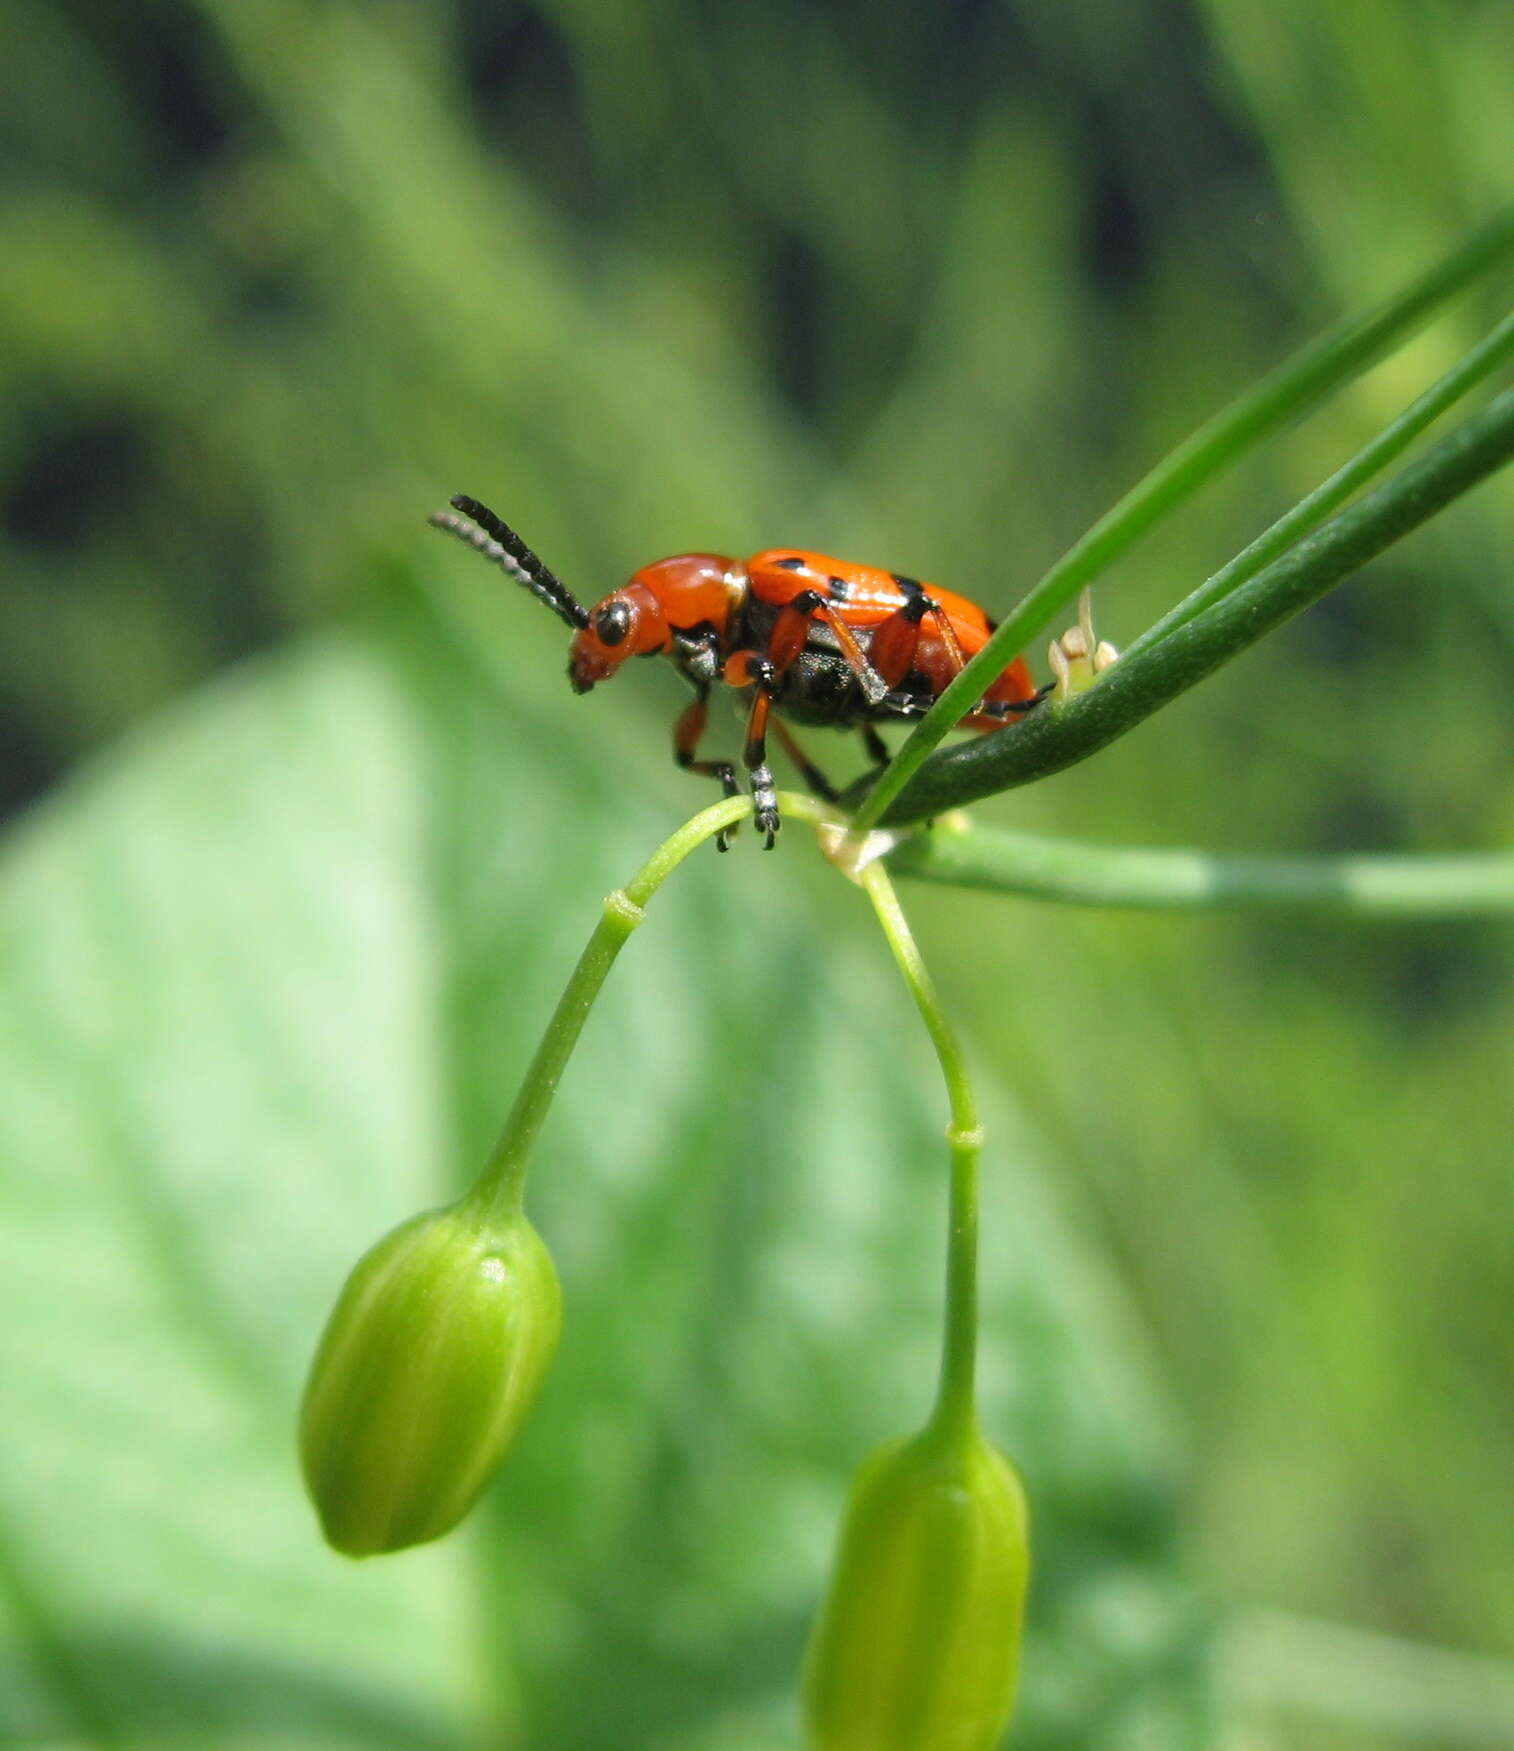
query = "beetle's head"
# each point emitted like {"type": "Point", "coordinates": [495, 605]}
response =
{"type": "Point", "coordinates": [628, 623]}
{"type": "Point", "coordinates": [687, 591]}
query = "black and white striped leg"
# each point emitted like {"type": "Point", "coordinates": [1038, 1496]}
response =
{"type": "Point", "coordinates": [755, 756]}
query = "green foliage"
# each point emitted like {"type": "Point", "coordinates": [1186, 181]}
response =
{"type": "Point", "coordinates": [239, 1053]}
{"type": "Point", "coordinates": [278, 278]}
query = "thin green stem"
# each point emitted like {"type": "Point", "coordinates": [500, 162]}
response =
{"type": "Point", "coordinates": [501, 1186]}
{"type": "Point", "coordinates": [1056, 737]}
{"type": "Point", "coordinates": [1308, 513]}
{"type": "Point", "coordinates": [1406, 887]}
{"type": "Point", "coordinates": [955, 1409]}
{"type": "Point", "coordinates": [1328, 362]}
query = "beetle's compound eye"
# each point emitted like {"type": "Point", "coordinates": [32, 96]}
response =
{"type": "Point", "coordinates": [612, 622]}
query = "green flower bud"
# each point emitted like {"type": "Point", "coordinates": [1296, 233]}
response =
{"type": "Point", "coordinates": [428, 1365]}
{"type": "Point", "coordinates": [917, 1646]}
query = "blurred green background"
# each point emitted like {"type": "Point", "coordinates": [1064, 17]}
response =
{"type": "Point", "coordinates": [927, 285]}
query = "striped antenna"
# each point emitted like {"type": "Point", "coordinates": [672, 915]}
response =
{"type": "Point", "coordinates": [496, 540]}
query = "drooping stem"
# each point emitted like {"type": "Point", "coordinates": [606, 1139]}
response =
{"type": "Point", "coordinates": [955, 1408]}
{"type": "Point", "coordinates": [501, 1186]}
{"type": "Point", "coordinates": [502, 1183]}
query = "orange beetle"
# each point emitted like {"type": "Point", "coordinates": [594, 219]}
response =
{"type": "Point", "coordinates": [819, 640]}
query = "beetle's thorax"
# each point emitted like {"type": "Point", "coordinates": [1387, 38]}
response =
{"type": "Point", "coordinates": [697, 589]}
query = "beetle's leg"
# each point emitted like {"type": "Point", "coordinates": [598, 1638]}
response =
{"type": "Point", "coordinates": [877, 748]}
{"type": "Point", "coordinates": [686, 734]}
{"type": "Point", "coordinates": [948, 636]}
{"type": "Point", "coordinates": [891, 650]}
{"type": "Point", "coordinates": [1016, 707]}
{"type": "Point", "coordinates": [786, 642]}
{"type": "Point", "coordinates": [958, 659]}
{"type": "Point", "coordinates": [808, 771]}
{"type": "Point", "coordinates": [901, 704]}
{"type": "Point", "coordinates": [791, 631]}
{"type": "Point", "coordinates": [790, 634]}
{"type": "Point", "coordinates": [764, 676]}
{"type": "Point", "coordinates": [897, 639]}
{"type": "Point", "coordinates": [752, 669]}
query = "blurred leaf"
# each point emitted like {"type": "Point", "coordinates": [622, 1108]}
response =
{"type": "Point", "coordinates": [270, 973]}
{"type": "Point", "coordinates": [926, 286]}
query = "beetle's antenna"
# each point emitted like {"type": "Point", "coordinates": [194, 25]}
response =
{"type": "Point", "coordinates": [496, 540]}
